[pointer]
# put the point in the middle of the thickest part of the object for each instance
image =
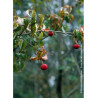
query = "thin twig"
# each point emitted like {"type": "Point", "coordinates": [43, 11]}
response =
{"type": "Point", "coordinates": [29, 43]}
{"type": "Point", "coordinates": [72, 91]}
{"type": "Point", "coordinates": [48, 31]}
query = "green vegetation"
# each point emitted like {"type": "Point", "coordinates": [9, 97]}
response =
{"type": "Point", "coordinates": [41, 29]}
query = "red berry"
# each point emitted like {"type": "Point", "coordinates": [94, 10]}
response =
{"type": "Point", "coordinates": [43, 66]}
{"type": "Point", "coordinates": [50, 33]}
{"type": "Point", "coordinates": [76, 46]}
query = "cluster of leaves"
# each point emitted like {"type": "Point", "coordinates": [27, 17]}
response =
{"type": "Point", "coordinates": [39, 54]}
{"type": "Point", "coordinates": [56, 20]}
{"type": "Point", "coordinates": [78, 35]}
{"type": "Point", "coordinates": [79, 2]}
{"type": "Point", "coordinates": [31, 31]}
{"type": "Point", "coordinates": [26, 34]}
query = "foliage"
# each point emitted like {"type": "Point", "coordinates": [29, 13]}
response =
{"type": "Point", "coordinates": [32, 29]}
{"type": "Point", "coordinates": [32, 42]}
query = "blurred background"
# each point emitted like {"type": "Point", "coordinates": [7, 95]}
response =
{"type": "Point", "coordinates": [62, 78]}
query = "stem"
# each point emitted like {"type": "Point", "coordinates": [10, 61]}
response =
{"type": "Point", "coordinates": [72, 91]}
{"type": "Point", "coordinates": [42, 62]}
{"type": "Point", "coordinates": [48, 31]}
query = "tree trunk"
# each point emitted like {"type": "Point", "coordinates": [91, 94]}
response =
{"type": "Point", "coordinates": [59, 82]}
{"type": "Point", "coordinates": [60, 60]}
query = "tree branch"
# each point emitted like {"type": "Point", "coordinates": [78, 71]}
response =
{"type": "Point", "coordinates": [48, 31]}
{"type": "Point", "coordinates": [72, 91]}
{"type": "Point", "coordinates": [67, 53]}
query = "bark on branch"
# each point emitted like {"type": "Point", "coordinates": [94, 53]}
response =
{"type": "Point", "coordinates": [48, 31]}
{"type": "Point", "coordinates": [72, 91]}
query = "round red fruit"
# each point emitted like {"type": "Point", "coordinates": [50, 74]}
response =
{"type": "Point", "coordinates": [50, 33]}
{"type": "Point", "coordinates": [76, 46]}
{"type": "Point", "coordinates": [44, 66]}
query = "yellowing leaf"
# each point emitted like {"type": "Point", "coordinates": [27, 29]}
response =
{"type": "Point", "coordinates": [40, 36]}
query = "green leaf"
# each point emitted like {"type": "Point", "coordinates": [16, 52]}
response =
{"type": "Point", "coordinates": [18, 28]}
{"type": "Point", "coordinates": [76, 31]}
{"type": "Point", "coordinates": [15, 67]}
{"type": "Point", "coordinates": [79, 36]}
{"type": "Point", "coordinates": [66, 27]}
{"type": "Point", "coordinates": [22, 44]}
{"type": "Point", "coordinates": [14, 35]}
{"type": "Point", "coordinates": [41, 43]}
{"type": "Point", "coordinates": [67, 18]}
{"type": "Point", "coordinates": [40, 36]}
{"type": "Point", "coordinates": [26, 22]}
{"type": "Point", "coordinates": [22, 55]}
{"type": "Point", "coordinates": [78, 11]}
{"type": "Point", "coordinates": [33, 28]}
{"type": "Point", "coordinates": [33, 20]}
{"type": "Point", "coordinates": [21, 65]}
{"type": "Point", "coordinates": [41, 19]}
{"type": "Point", "coordinates": [56, 6]}
{"type": "Point", "coordinates": [15, 43]}
{"type": "Point", "coordinates": [15, 25]}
